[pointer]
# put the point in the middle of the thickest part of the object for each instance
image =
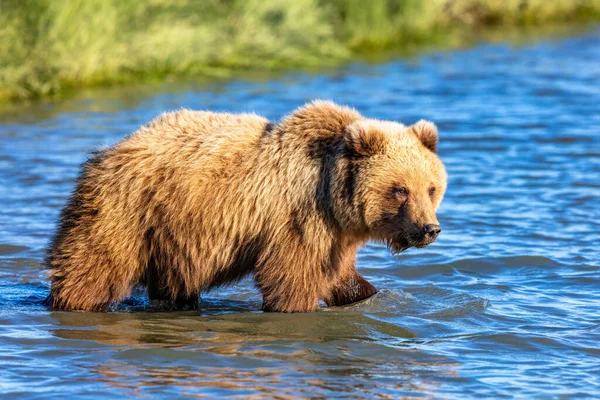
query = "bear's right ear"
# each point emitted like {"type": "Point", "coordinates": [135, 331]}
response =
{"type": "Point", "coordinates": [364, 140]}
{"type": "Point", "coordinates": [427, 133]}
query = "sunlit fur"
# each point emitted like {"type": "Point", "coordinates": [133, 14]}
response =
{"type": "Point", "coordinates": [196, 200]}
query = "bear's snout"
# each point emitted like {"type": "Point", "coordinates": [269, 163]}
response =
{"type": "Point", "coordinates": [429, 233]}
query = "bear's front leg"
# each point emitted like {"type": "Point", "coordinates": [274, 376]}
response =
{"type": "Point", "coordinates": [350, 288]}
{"type": "Point", "coordinates": [288, 283]}
{"type": "Point", "coordinates": [289, 298]}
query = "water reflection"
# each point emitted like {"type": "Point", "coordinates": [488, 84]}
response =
{"type": "Point", "coordinates": [292, 355]}
{"type": "Point", "coordinates": [175, 329]}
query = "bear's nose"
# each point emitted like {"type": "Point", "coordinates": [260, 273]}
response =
{"type": "Point", "coordinates": [432, 230]}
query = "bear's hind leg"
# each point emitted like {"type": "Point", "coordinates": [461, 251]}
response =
{"type": "Point", "coordinates": [87, 287]}
{"type": "Point", "coordinates": [169, 291]}
{"type": "Point", "coordinates": [163, 295]}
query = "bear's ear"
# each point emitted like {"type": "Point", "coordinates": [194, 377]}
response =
{"type": "Point", "coordinates": [427, 133]}
{"type": "Point", "coordinates": [364, 140]}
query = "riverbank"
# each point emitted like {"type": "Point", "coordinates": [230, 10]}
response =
{"type": "Point", "coordinates": [50, 48]}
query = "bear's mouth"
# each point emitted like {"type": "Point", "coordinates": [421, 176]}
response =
{"type": "Point", "coordinates": [398, 245]}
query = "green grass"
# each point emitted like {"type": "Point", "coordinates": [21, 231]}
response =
{"type": "Point", "coordinates": [48, 47]}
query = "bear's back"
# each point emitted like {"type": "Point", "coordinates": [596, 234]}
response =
{"type": "Point", "coordinates": [204, 133]}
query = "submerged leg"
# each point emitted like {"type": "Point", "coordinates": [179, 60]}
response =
{"type": "Point", "coordinates": [162, 289]}
{"type": "Point", "coordinates": [288, 283]}
{"type": "Point", "coordinates": [88, 288]}
{"type": "Point", "coordinates": [287, 297]}
{"type": "Point", "coordinates": [157, 293]}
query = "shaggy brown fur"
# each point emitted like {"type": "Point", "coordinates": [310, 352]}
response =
{"type": "Point", "coordinates": [196, 200]}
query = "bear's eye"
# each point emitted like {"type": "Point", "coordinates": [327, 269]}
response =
{"type": "Point", "coordinates": [400, 192]}
{"type": "Point", "coordinates": [431, 191]}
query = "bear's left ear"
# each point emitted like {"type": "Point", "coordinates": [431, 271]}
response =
{"type": "Point", "coordinates": [364, 140]}
{"type": "Point", "coordinates": [427, 133]}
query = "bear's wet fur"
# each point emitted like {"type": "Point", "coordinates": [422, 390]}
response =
{"type": "Point", "coordinates": [196, 200]}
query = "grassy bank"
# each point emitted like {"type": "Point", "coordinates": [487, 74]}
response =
{"type": "Point", "coordinates": [48, 47]}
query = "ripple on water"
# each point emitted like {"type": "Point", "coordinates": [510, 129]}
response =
{"type": "Point", "coordinates": [427, 302]}
{"type": "Point", "coordinates": [8, 249]}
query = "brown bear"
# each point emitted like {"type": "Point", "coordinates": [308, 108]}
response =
{"type": "Point", "coordinates": [196, 200]}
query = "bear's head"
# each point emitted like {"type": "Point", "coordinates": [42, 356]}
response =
{"type": "Point", "coordinates": [397, 181]}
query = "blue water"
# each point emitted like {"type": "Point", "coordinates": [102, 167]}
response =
{"type": "Point", "coordinates": [506, 303]}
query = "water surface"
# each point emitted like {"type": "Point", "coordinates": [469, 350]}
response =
{"type": "Point", "coordinates": [505, 303]}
